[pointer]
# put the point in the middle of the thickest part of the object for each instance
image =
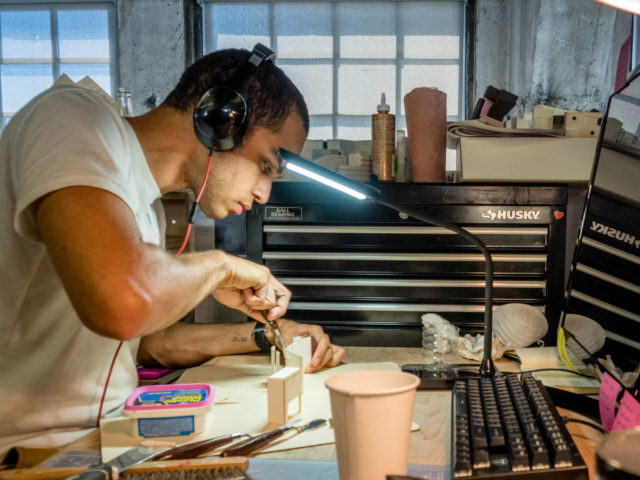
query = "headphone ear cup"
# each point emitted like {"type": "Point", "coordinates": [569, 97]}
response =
{"type": "Point", "coordinates": [220, 118]}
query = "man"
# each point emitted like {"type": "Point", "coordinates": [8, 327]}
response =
{"type": "Point", "coordinates": [86, 292]}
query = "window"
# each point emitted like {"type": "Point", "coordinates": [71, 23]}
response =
{"type": "Point", "coordinates": [40, 42]}
{"type": "Point", "coordinates": [344, 54]}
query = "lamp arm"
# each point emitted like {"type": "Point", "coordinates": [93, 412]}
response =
{"type": "Point", "coordinates": [487, 367]}
{"type": "Point", "coordinates": [361, 191]}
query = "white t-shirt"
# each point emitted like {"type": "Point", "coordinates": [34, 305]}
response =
{"type": "Point", "coordinates": [52, 368]}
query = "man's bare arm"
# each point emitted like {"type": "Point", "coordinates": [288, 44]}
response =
{"type": "Point", "coordinates": [188, 344]}
{"type": "Point", "coordinates": [122, 287]}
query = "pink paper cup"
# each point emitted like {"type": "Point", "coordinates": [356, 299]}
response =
{"type": "Point", "coordinates": [372, 412]}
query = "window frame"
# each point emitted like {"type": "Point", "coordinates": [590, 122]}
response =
{"type": "Point", "coordinates": [466, 55]}
{"type": "Point", "coordinates": [54, 7]}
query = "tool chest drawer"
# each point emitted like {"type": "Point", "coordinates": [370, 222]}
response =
{"type": "Point", "coordinates": [367, 273]}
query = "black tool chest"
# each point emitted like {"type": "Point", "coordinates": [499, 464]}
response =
{"type": "Point", "coordinates": [367, 273]}
{"type": "Point", "coordinates": [605, 283]}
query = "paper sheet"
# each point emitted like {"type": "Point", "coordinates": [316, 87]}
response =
{"type": "Point", "coordinates": [240, 405]}
{"type": "Point", "coordinates": [548, 357]}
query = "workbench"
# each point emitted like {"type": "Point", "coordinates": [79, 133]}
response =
{"type": "Point", "coordinates": [429, 448]}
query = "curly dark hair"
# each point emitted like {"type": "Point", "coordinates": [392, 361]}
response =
{"type": "Point", "coordinates": [272, 96]}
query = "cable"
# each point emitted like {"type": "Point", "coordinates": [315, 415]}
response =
{"type": "Point", "coordinates": [566, 370]}
{"type": "Point", "coordinates": [192, 214]}
{"type": "Point", "coordinates": [194, 206]}
{"type": "Point", "coordinates": [584, 422]}
{"type": "Point", "coordinates": [106, 384]}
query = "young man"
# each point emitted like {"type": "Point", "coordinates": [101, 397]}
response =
{"type": "Point", "coordinates": [85, 289]}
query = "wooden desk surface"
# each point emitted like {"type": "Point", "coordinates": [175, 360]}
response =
{"type": "Point", "coordinates": [432, 412]}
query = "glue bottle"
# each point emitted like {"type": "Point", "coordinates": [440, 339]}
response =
{"type": "Point", "coordinates": [383, 129]}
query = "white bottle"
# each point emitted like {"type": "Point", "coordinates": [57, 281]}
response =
{"type": "Point", "coordinates": [124, 100]}
{"type": "Point", "coordinates": [400, 163]}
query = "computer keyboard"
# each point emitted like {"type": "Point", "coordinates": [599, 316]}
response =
{"type": "Point", "coordinates": [506, 427]}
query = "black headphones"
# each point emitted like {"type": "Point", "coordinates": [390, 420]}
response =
{"type": "Point", "coordinates": [222, 113]}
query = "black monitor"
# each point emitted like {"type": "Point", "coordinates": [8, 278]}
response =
{"type": "Point", "coordinates": [604, 283]}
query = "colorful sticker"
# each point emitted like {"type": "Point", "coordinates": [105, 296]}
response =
{"type": "Point", "coordinates": [171, 397]}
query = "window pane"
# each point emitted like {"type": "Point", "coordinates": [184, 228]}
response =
{"type": "Point", "coordinates": [367, 46]}
{"type": "Point", "coordinates": [240, 26]}
{"type": "Point", "coordinates": [367, 30]}
{"type": "Point", "coordinates": [354, 128]}
{"type": "Point", "coordinates": [360, 87]}
{"type": "Point", "coordinates": [308, 46]}
{"type": "Point", "coordinates": [83, 34]}
{"type": "Point", "coordinates": [432, 46]}
{"type": "Point", "coordinates": [25, 34]}
{"type": "Point", "coordinates": [344, 54]}
{"type": "Point", "coordinates": [442, 77]}
{"type": "Point", "coordinates": [99, 73]}
{"type": "Point", "coordinates": [437, 18]}
{"type": "Point", "coordinates": [432, 30]}
{"type": "Point", "coordinates": [303, 30]}
{"type": "Point", "coordinates": [315, 82]}
{"type": "Point", "coordinates": [320, 128]}
{"type": "Point", "coordinates": [20, 83]}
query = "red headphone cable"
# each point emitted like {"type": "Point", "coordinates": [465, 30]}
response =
{"type": "Point", "coordinates": [194, 206]}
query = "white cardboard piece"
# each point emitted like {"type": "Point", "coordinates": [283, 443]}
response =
{"type": "Point", "coordinates": [282, 387]}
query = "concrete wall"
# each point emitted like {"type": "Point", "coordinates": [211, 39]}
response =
{"type": "Point", "coordinates": [561, 53]}
{"type": "Point", "coordinates": [151, 49]}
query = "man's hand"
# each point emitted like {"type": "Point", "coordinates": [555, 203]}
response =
{"type": "Point", "coordinates": [250, 287]}
{"type": "Point", "coordinates": [324, 355]}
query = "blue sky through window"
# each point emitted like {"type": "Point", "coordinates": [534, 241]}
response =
{"type": "Point", "coordinates": [39, 43]}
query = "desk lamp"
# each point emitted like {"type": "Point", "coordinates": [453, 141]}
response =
{"type": "Point", "coordinates": [631, 6]}
{"type": "Point", "coordinates": [362, 191]}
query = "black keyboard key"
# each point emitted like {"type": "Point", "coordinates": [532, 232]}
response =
{"type": "Point", "coordinates": [481, 458]}
{"type": "Point", "coordinates": [496, 437]}
{"type": "Point", "coordinates": [519, 459]}
{"type": "Point", "coordinates": [539, 456]}
{"type": "Point", "coordinates": [462, 466]}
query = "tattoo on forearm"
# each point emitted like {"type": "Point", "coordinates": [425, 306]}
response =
{"type": "Point", "coordinates": [239, 339]}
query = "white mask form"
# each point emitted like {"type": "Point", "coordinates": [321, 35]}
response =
{"type": "Point", "coordinates": [518, 325]}
{"type": "Point", "coordinates": [588, 332]}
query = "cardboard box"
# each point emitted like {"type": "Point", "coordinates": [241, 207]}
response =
{"type": "Point", "coordinates": [525, 159]}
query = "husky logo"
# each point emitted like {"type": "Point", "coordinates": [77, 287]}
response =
{"type": "Point", "coordinates": [615, 233]}
{"type": "Point", "coordinates": [511, 214]}
{"type": "Point", "coordinates": [490, 214]}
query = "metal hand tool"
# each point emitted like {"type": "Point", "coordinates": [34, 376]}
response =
{"type": "Point", "coordinates": [112, 468]}
{"type": "Point", "coordinates": [194, 449]}
{"type": "Point", "coordinates": [247, 446]}
{"type": "Point", "coordinates": [276, 332]}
